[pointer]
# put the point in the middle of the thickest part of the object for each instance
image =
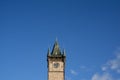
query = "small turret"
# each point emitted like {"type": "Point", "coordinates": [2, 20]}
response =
{"type": "Point", "coordinates": [64, 54]}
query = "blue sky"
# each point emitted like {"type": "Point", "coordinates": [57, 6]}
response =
{"type": "Point", "coordinates": [89, 31]}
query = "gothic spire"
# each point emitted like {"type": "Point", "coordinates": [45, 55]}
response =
{"type": "Point", "coordinates": [56, 50]}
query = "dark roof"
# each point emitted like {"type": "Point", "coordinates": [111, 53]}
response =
{"type": "Point", "coordinates": [56, 52]}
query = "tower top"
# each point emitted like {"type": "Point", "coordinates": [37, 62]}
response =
{"type": "Point", "coordinates": [56, 52]}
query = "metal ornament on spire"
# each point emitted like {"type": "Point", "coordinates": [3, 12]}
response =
{"type": "Point", "coordinates": [56, 40]}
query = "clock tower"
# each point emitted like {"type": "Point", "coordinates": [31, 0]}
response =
{"type": "Point", "coordinates": [56, 63]}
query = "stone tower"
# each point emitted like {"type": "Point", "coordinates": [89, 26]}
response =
{"type": "Point", "coordinates": [56, 63]}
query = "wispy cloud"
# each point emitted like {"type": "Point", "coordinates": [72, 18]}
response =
{"type": "Point", "coordinates": [105, 76]}
{"type": "Point", "coordinates": [86, 68]}
{"type": "Point", "coordinates": [83, 67]}
{"type": "Point", "coordinates": [73, 72]}
{"type": "Point", "coordinates": [113, 64]}
{"type": "Point", "coordinates": [67, 78]}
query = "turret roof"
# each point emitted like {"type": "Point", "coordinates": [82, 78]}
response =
{"type": "Point", "coordinates": [56, 50]}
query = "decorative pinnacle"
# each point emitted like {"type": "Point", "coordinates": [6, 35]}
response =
{"type": "Point", "coordinates": [64, 52]}
{"type": "Point", "coordinates": [49, 52]}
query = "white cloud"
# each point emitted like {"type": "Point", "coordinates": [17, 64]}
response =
{"type": "Point", "coordinates": [104, 68]}
{"type": "Point", "coordinates": [73, 72]}
{"type": "Point", "coordinates": [105, 76]}
{"type": "Point", "coordinates": [113, 64]}
{"type": "Point", "coordinates": [83, 67]}
{"type": "Point", "coordinates": [67, 78]}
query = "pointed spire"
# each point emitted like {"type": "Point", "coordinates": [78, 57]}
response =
{"type": "Point", "coordinates": [56, 50]}
{"type": "Point", "coordinates": [48, 52]}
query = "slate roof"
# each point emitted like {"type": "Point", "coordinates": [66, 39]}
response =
{"type": "Point", "coordinates": [56, 52]}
